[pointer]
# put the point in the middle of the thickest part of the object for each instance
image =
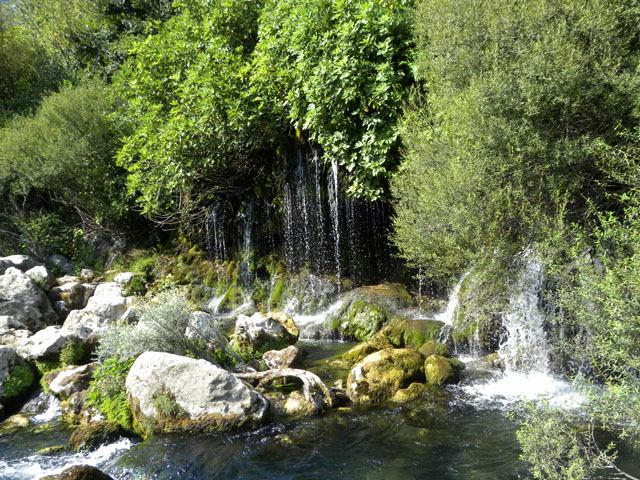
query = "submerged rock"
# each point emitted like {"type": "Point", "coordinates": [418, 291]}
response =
{"type": "Point", "coordinates": [93, 435]}
{"type": "Point", "coordinates": [264, 331]}
{"type": "Point", "coordinates": [169, 393]}
{"type": "Point", "coordinates": [380, 375]}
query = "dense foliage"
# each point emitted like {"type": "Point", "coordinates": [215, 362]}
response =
{"type": "Point", "coordinates": [503, 127]}
{"type": "Point", "coordinates": [501, 145]}
{"type": "Point", "coordinates": [222, 84]}
{"type": "Point", "coordinates": [65, 152]}
{"type": "Point", "coordinates": [516, 144]}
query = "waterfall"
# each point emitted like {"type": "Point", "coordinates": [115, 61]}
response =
{"type": "Point", "coordinates": [524, 351]}
{"type": "Point", "coordinates": [246, 275]}
{"type": "Point", "coordinates": [452, 304]}
{"type": "Point", "coordinates": [214, 229]}
{"type": "Point", "coordinates": [524, 347]}
{"type": "Point", "coordinates": [335, 214]}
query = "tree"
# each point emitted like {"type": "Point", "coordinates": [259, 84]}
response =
{"type": "Point", "coordinates": [27, 72]}
{"type": "Point", "coordinates": [500, 145]}
{"type": "Point", "coordinates": [64, 153]}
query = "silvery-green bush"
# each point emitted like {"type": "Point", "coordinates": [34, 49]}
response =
{"type": "Point", "coordinates": [162, 326]}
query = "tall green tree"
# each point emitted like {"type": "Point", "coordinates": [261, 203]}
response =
{"type": "Point", "coordinates": [64, 153]}
{"type": "Point", "coordinates": [27, 71]}
{"type": "Point", "coordinates": [212, 95]}
{"type": "Point", "coordinates": [518, 93]}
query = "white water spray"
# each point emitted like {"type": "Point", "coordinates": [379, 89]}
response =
{"type": "Point", "coordinates": [452, 304]}
{"type": "Point", "coordinates": [524, 351]}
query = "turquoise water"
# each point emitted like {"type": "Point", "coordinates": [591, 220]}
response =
{"type": "Point", "coordinates": [447, 436]}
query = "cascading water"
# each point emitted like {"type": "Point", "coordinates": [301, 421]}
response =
{"type": "Point", "coordinates": [447, 315]}
{"type": "Point", "coordinates": [524, 348]}
{"type": "Point", "coordinates": [246, 275]}
{"type": "Point", "coordinates": [214, 228]}
{"type": "Point", "coordinates": [334, 212]}
{"type": "Point", "coordinates": [524, 351]}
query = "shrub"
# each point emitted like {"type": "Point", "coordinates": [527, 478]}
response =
{"type": "Point", "coordinates": [18, 382]}
{"type": "Point", "coordinates": [107, 391]}
{"type": "Point", "coordinates": [162, 328]}
{"type": "Point", "coordinates": [74, 352]}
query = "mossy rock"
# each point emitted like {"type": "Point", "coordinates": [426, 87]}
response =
{"type": "Point", "coordinates": [15, 422]}
{"type": "Point", "coordinates": [360, 322]}
{"type": "Point", "coordinates": [380, 375]}
{"type": "Point", "coordinates": [93, 435]}
{"type": "Point", "coordinates": [50, 451]}
{"type": "Point", "coordinates": [440, 370]}
{"type": "Point", "coordinates": [408, 333]}
{"type": "Point", "coordinates": [431, 347]}
{"type": "Point", "coordinates": [358, 353]}
{"type": "Point", "coordinates": [412, 392]}
{"type": "Point", "coordinates": [392, 296]}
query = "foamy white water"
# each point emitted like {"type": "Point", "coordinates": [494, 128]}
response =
{"type": "Point", "coordinates": [452, 304]}
{"type": "Point", "coordinates": [52, 412]}
{"type": "Point", "coordinates": [524, 351]}
{"type": "Point", "coordinates": [37, 466]}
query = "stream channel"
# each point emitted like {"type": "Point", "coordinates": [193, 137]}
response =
{"type": "Point", "coordinates": [464, 432]}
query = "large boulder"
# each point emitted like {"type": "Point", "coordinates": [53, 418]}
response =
{"type": "Point", "coordinates": [21, 262]}
{"type": "Point", "coordinates": [264, 331]}
{"type": "Point", "coordinates": [46, 344]}
{"type": "Point", "coordinates": [18, 291]}
{"type": "Point", "coordinates": [367, 309]}
{"type": "Point", "coordinates": [106, 306]}
{"type": "Point", "coordinates": [20, 316]}
{"type": "Point", "coordinates": [380, 375]}
{"type": "Point", "coordinates": [8, 359]}
{"type": "Point", "coordinates": [70, 380]}
{"type": "Point", "coordinates": [42, 276]}
{"type": "Point", "coordinates": [170, 393]}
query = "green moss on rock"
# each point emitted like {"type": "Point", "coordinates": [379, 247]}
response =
{"type": "Point", "coordinates": [93, 435]}
{"type": "Point", "coordinates": [431, 347]}
{"type": "Point", "coordinates": [440, 370]}
{"type": "Point", "coordinates": [380, 375]}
